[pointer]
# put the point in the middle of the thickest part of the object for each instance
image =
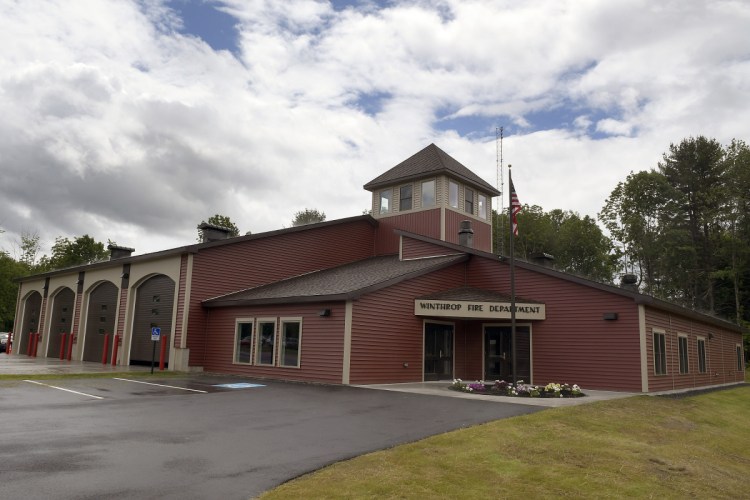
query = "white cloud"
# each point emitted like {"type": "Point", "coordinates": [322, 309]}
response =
{"type": "Point", "coordinates": [114, 124]}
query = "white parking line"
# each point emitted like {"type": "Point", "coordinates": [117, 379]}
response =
{"type": "Point", "coordinates": [160, 385]}
{"type": "Point", "coordinates": [63, 389]}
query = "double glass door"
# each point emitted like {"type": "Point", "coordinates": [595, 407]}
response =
{"type": "Point", "coordinates": [498, 353]}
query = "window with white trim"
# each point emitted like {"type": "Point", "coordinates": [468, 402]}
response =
{"type": "Point", "coordinates": [701, 355]}
{"type": "Point", "coordinates": [740, 361]}
{"type": "Point", "coordinates": [482, 206]}
{"type": "Point", "coordinates": [405, 198]}
{"type": "Point", "coordinates": [428, 193]}
{"type": "Point", "coordinates": [453, 194]}
{"type": "Point", "coordinates": [243, 341]}
{"type": "Point", "coordinates": [291, 342]}
{"type": "Point", "coordinates": [682, 349]}
{"type": "Point", "coordinates": [265, 349]}
{"type": "Point", "coordinates": [468, 201]}
{"type": "Point", "coordinates": [660, 358]}
{"type": "Point", "coordinates": [385, 201]}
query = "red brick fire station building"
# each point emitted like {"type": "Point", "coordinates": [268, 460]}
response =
{"type": "Point", "coordinates": [408, 294]}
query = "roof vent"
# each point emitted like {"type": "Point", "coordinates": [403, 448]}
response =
{"type": "Point", "coordinates": [542, 259]}
{"type": "Point", "coordinates": [466, 234]}
{"type": "Point", "coordinates": [118, 252]}
{"type": "Point", "coordinates": [210, 232]}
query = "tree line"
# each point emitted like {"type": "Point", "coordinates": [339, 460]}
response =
{"type": "Point", "coordinates": [682, 228]}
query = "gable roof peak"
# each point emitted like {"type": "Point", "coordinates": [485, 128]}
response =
{"type": "Point", "coordinates": [429, 161]}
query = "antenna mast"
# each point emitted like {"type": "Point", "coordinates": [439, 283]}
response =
{"type": "Point", "coordinates": [500, 185]}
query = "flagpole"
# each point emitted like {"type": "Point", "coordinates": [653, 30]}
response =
{"type": "Point", "coordinates": [512, 279]}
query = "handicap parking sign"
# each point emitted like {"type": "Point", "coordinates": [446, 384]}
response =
{"type": "Point", "coordinates": [155, 333]}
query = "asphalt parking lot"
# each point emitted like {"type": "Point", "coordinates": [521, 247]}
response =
{"type": "Point", "coordinates": [194, 437]}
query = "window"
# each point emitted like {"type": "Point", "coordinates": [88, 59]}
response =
{"type": "Point", "coordinates": [740, 361]}
{"type": "Point", "coordinates": [266, 348]}
{"type": "Point", "coordinates": [482, 206]}
{"type": "Point", "coordinates": [453, 194]}
{"type": "Point", "coordinates": [385, 201]}
{"type": "Point", "coordinates": [660, 347]}
{"type": "Point", "coordinates": [291, 337]}
{"type": "Point", "coordinates": [428, 193]}
{"type": "Point", "coordinates": [702, 355]}
{"type": "Point", "coordinates": [469, 201]}
{"type": "Point", "coordinates": [405, 198]}
{"type": "Point", "coordinates": [682, 344]}
{"type": "Point", "coordinates": [243, 341]}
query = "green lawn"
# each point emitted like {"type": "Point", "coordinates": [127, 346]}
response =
{"type": "Point", "coordinates": [654, 447]}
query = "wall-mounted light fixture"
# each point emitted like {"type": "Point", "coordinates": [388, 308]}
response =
{"type": "Point", "coordinates": [324, 312]}
{"type": "Point", "coordinates": [125, 276]}
{"type": "Point", "coordinates": [609, 316]}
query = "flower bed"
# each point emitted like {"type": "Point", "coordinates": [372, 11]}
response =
{"type": "Point", "coordinates": [503, 388]}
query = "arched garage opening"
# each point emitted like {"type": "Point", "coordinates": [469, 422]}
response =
{"type": "Point", "coordinates": [100, 319]}
{"type": "Point", "coordinates": [153, 307]}
{"type": "Point", "coordinates": [60, 319]}
{"type": "Point", "coordinates": [29, 324]}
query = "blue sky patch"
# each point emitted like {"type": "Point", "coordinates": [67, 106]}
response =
{"type": "Point", "coordinates": [204, 20]}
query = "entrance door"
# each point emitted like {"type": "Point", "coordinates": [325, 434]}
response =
{"type": "Point", "coordinates": [498, 353]}
{"type": "Point", "coordinates": [438, 351]}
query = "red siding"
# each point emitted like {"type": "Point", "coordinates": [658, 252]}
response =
{"type": "Point", "coordinates": [721, 357]}
{"type": "Point", "coordinates": [482, 230]}
{"type": "Point", "coordinates": [229, 268]}
{"type": "Point", "coordinates": [574, 344]}
{"type": "Point", "coordinates": [415, 249]}
{"type": "Point", "coordinates": [426, 223]}
{"type": "Point", "coordinates": [322, 346]}
{"type": "Point", "coordinates": [386, 333]}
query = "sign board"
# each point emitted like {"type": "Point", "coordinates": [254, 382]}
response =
{"type": "Point", "coordinates": [478, 310]}
{"type": "Point", "coordinates": [155, 333]}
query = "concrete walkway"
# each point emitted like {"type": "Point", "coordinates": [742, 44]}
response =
{"type": "Point", "coordinates": [24, 365]}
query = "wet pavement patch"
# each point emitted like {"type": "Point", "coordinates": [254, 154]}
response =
{"type": "Point", "coordinates": [239, 385]}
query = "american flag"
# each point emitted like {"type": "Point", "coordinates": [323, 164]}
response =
{"type": "Point", "coordinates": [515, 207]}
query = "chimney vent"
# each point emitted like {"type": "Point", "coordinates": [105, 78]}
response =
{"type": "Point", "coordinates": [629, 282]}
{"type": "Point", "coordinates": [118, 252]}
{"type": "Point", "coordinates": [466, 234]}
{"type": "Point", "coordinates": [210, 232]}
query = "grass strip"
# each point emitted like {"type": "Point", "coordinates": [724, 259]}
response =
{"type": "Point", "coordinates": [643, 446]}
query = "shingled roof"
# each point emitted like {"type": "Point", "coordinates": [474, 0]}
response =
{"type": "Point", "coordinates": [430, 161]}
{"type": "Point", "coordinates": [339, 283]}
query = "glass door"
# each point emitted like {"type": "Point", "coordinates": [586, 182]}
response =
{"type": "Point", "coordinates": [438, 351]}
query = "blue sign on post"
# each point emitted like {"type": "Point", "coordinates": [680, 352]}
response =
{"type": "Point", "coordinates": [155, 336]}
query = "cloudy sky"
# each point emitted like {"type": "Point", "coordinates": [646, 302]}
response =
{"type": "Point", "coordinates": [135, 120]}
